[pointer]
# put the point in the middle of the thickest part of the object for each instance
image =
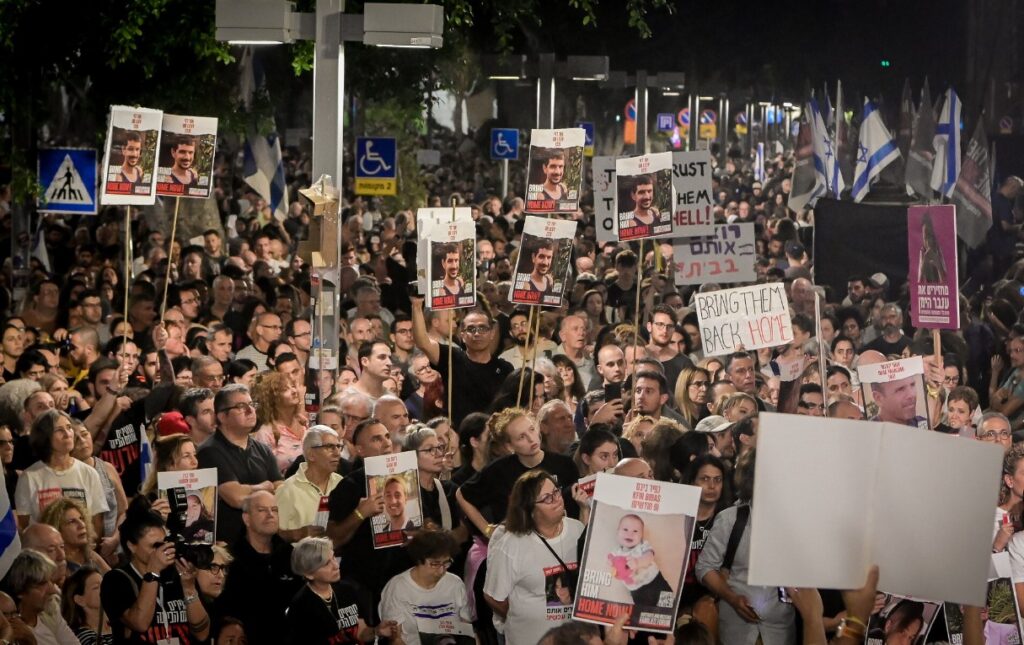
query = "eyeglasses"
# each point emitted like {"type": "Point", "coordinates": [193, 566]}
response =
{"type": "Point", "coordinates": [481, 329]}
{"type": "Point", "coordinates": [992, 435]}
{"type": "Point", "coordinates": [6, 442]}
{"type": "Point", "coordinates": [308, 333]}
{"type": "Point", "coordinates": [216, 378]}
{"type": "Point", "coordinates": [278, 327]}
{"type": "Point", "coordinates": [550, 497]}
{"type": "Point", "coordinates": [333, 447]}
{"type": "Point", "coordinates": [439, 564]}
{"type": "Point", "coordinates": [243, 406]}
{"type": "Point", "coordinates": [661, 325]}
{"type": "Point", "coordinates": [438, 451]}
{"type": "Point", "coordinates": [700, 384]}
{"type": "Point", "coordinates": [217, 569]}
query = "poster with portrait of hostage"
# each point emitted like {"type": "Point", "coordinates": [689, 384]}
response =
{"type": "Point", "coordinates": [555, 170]}
{"type": "Point", "coordinates": [894, 391]}
{"type": "Point", "coordinates": [542, 267]}
{"type": "Point", "coordinates": [129, 158]}
{"type": "Point", "coordinates": [185, 164]}
{"type": "Point", "coordinates": [452, 267]}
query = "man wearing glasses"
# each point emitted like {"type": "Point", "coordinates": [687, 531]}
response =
{"type": "Point", "coordinates": [995, 428]}
{"type": "Point", "coordinates": [266, 330]}
{"type": "Point", "coordinates": [303, 496]}
{"type": "Point", "coordinates": [300, 337]}
{"type": "Point", "coordinates": [244, 466]}
{"type": "Point", "coordinates": [661, 347]}
{"type": "Point", "coordinates": [402, 343]}
{"type": "Point", "coordinates": [476, 372]}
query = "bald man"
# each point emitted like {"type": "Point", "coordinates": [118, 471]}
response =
{"type": "Point", "coordinates": [47, 540]}
{"type": "Point", "coordinates": [633, 467]}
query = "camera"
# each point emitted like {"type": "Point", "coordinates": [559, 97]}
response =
{"type": "Point", "coordinates": [201, 555]}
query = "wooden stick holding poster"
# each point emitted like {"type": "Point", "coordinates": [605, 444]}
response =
{"type": "Point", "coordinates": [397, 476]}
{"type": "Point", "coordinates": [633, 562]}
{"type": "Point", "coordinates": [933, 279]}
{"type": "Point", "coordinates": [170, 258]}
{"type": "Point", "coordinates": [752, 317]}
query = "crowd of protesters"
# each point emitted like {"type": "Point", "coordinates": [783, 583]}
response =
{"type": "Point", "coordinates": [218, 378]}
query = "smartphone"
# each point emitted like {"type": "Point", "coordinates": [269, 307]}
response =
{"type": "Point", "coordinates": [613, 392]}
{"type": "Point", "coordinates": [784, 597]}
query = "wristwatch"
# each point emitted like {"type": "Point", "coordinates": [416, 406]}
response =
{"type": "Point", "coordinates": [150, 577]}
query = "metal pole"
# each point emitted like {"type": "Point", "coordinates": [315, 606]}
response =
{"type": "Point", "coordinates": [504, 178]}
{"type": "Point", "coordinates": [749, 109]}
{"type": "Point", "coordinates": [546, 91]}
{"type": "Point", "coordinates": [641, 112]}
{"type": "Point", "coordinates": [694, 117]}
{"type": "Point", "coordinates": [724, 124]}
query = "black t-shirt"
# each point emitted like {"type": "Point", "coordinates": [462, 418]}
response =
{"type": "Point", "coordinates": [459, 477]}
{"type": "Point", "coordinates": [431, 503]}
{"type": "Point", "coordinates": [371, 568]}
{"type": "Point", "coordinates": [619, 297]}
{"type": "Point", "coordinates": [673, 367]}
{"type": "Point", "coordinates": [119, 591]}
{"type": "Point", "coordinates": [692, 588]}
{"type": "Point", "coordinates": [312, 620]}
{"type": "Point", "coordinates": [258, 588]}
{"type": "Point", "coordinates": [474, 385]}
{"type": "Point", "coordinates": [251, 465]}
{"type": "Point", "coordinates": [122, 447]}
{"type": "Point", "coordinates": [882, 345]}
{"type": "Point", "coordinates": [489, 489]}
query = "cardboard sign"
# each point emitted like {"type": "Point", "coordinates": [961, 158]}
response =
{"type": "Point", "coordinates": [201, 495]}
{"type": "Point", "coordinates": [894, 391]}
{"type": "Point", "coordinates": [725, 256]}
{"type": "Point", "coordinates": [555, 170]}
{"type": "Point", "coordinates": [604, 199]}
{"type": "Point", "coordinates": [130, 156]}
{"type": "Point", "coordinates": [543, 264]}
{"type": "Point", "coordinates": [633, 561]}
{"type": "Point", "coordinates": [752, 317]}
{"type": "Point", "coordinates": [397, 476]}
{"type": "Point", "coordinates": [933, 280]}
{"type": "Point", "coordinates": [426, 219]}
{"type": "Point", "coordinates": [644, 196]}
{"type": "Point", "coordinates": [187, 148]}
{"type": "Point", "coordinates": [691, 180]}
{"type": "Point", "coordinates": [835, 496]}
{"type": "Point", "coordinates": [451, 271]}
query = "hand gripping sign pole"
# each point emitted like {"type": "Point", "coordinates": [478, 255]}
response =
{"type": "Point", "coordinates": [170, 257]}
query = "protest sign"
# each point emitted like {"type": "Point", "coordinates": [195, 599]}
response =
{"type": "Point", "coordinates": [900, 619]}
{"type": "Point", "coordinates": [691, 180]}
{"type": "Point", "coordinates": [129, 158]}
{"type": "Point", "coordinates": [1002, 624]}
{"type": "Point", "coordinates": [555, 171]}
{"type": "Point", "coordinates": [185, 164]}
{"type": "Point", "coordinates": [644, 196]}
{"type": "Point", "coordinates": [633, 562]}
{"type": "Point", "coordinates": [605, 224]}
{"type": "Point", "coordinates": [754, 317]}
{"type": "Point", "coordinates": [426, 218]}
{"type": "Point", "coordinates": [866, 507]}
{"type": "Point", "coordinates": [397, 476]}
{"type": "Point", "coordinates": [543, 264]}
{"type": "Point", "coordinates": [894, 391]}
{"type": "Point", "coordinates": [726, 256]}
{"type": "Point", "coordinates": [934, 283]}
{"type": "Point", "coordinates": [200, 494]}
{"type": "Point", "coordinates": [451, 271]}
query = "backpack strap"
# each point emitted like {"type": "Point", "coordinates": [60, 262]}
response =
{"type": "Point", "coordinates": [742, 517]}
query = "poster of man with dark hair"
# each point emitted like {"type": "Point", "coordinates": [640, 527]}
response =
{"type": "Point", "coordinates": [185, 164]}
{"type": "Point", "coordinates": [644, 195]}
{"type": "Point", "coordinates": [129, 158]}
{"type": "Point", "coordinates": [543, 263]}
{"type": "Point", "coordinates": [555, 170]}
{"type": "Point", "coordinates": [452, 275]}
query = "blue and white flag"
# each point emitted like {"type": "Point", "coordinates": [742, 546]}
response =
{"type": "Point", "coordinates": [759, 163]}
{"type": "Point", "coordinates": [263, 166]}
{"type": "Point", "coordinates": [145, 454]}
{"type": "Point", "coordinates": [876, 150]}
{"type": "Point", "coordinates": [946, 168]}
{"type": "Point", "coordinates": [824, 154]}
{"type": "Point", "coordinates": [10, 543]}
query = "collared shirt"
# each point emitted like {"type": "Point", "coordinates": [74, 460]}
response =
{"type": "Point", "coordinates": [301, 502]}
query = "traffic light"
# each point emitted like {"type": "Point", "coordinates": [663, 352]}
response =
{"type": "Point", "coordinates": [886, 62]}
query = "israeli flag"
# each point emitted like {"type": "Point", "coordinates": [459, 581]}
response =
{"type": "Point", "coordinates": [10, 543]}
{"type": "Point", "coordinates": [875, 150]}
{"type": "Point", "coordinates": [946, 168]}
{"type": "Point", "coordinates": [145, 455]}
{"type": "Point", "coordinates": [824, 152]}
{"type": "Point", "coordinates": [759, 163]}
{"type": "Point", "coordinates": [263, 166]}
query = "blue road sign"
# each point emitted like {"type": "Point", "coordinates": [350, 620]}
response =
{"type": "Point", "coordinates": [504, 144]}
{"type": "Point", "coordinates": [68, 176]}
{"type": "Point", "coordinates": [376, 166]}
{"type": "Point", "coordinates": [588, 129]}
{"type": "Point", "coordinates": [666, 122]}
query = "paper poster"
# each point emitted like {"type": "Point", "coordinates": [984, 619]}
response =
{"type": "Point", "coordinates": [446, 630]}
{"type": "Point", "coordinates": [397, 475]}
{"type": "Point", "coordinates": [882, 495]}
{"type": "Point", "coordinates": [644, 196]}
{"type": "Point", "coordinates": [726, 256]}
{"type": "Point", "coordinates": [185, 163]}
{"type": "Point", "coordinates": [636, 553]}
{"type": "Point", "coordinates": [604, 199]}
{"type": "Point", "coordinates": [933, 280]}
{"type": "Point", "coordinates": [425, 219]}
{"type": "Point", "coordinates": [555, 170]}
{"type": "Point", "coordinates": [543, 264]}
{"type": "Point", "coordinates": [752, 317]}
{"type": "Point", "coordinates": [130, 156]}
{"type": "Point", "coordinates": [894, 391]}
{"type": "Point", "coordinates": [898, 619]}
{"type": "Point", "coordinates": [1000, 616]}
{"type": "Point", "coordinates": [691, 179]}
{"type": "Point", "coordinates": [201, 496]}
{"type": "Point", "coordinates": [451, 271]}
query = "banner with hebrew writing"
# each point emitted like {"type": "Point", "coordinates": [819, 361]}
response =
{"type": "Point", "coordinates": [725, 257]}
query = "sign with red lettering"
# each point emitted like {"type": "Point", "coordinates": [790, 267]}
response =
{"type": "Point", "coordinates": [451, 269]}
{"type": "Point", "coordinates": [692, 212]}
{"type": "Point", "coordinates": [426, 218]}
{"type": "Point", "coordinates": [644, 194]}
{"type": "Point", "coordinates": [749, 317]}
{"type": "Point", "coordinates": [396, 477]}
{"type": "Point", "coordinates": [130, 156]}
{"type": "Point", "coordinates": [633, 562]}
{"type": "Point", "coordinates": [555, 170]}
{"type": "Point", "coordinates": [543, 265]}
{"type": "Point", "coordinates": [185, 162]}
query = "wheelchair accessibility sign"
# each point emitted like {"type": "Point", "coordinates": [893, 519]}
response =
{"type": "Point", "coordinates": [504, 144]}
{"type": "Point", "coordinates": [376, 166]}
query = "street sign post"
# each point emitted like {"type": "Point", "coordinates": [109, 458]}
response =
{"type": "Point", "coordinates": [376, 166]}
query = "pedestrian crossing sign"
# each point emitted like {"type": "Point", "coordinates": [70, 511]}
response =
{"type": "Point", "coordinates": [68, 178]}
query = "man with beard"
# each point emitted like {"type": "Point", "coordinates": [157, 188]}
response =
{"type": "Point", "coordinates": [645, 213]}
{"type": "Point", "coordinates": [451, 283]}
{"type": "Point", "coordinates": [541, 259]}
{"type": "Point", "coordinates": [892, 342]}
{"type": "Point", "coordinates": [183, 152]}
{"type": "Point", "coordinates": [521, 352]}
{"type": "Point", "coordinates": [661, 347]}
{"type": "Point", "coordinates": [554, 170]}
{"type": "Point", "coordinates": [131, 154]}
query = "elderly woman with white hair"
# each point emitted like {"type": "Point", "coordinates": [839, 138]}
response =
{"type": "Point", "coordinates": [303, 496]}
{"type": "Point", "coordinates": [327, 609]}
{"type": "Point", "coordinates": [30, 583]}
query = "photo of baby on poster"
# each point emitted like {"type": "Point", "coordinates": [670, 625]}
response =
{"type": "Point", "coordinates": [633, 562]}
{"type": "Point", "coordinates": [397, 475]}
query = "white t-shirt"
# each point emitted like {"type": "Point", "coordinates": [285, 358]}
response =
{"type": "Point", "coordinates": [40, 485]}
{"type": "Point", "coordinates": [441, 610]}
{"type": "Point", "coordinates": [523, 571]}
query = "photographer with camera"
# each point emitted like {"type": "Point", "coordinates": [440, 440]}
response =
{"type": "Point", "coordinates": [153, 596]}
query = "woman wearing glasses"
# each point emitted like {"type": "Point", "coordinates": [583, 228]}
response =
{"type": "Point", "coordinates": [303, 496]}
{"type": "Point", "coordinates": [210, 584]}
{"type": "Point", "coordinates": [427, 599]}
{"type": "Point", "coordinates": [533, 561]}
{"type": "Point", "coordinates": [691, 394]}
{"type": "Point", "coordinates": [436, 497]}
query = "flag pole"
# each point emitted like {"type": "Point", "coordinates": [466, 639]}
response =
{"type": "Point", "coordinates": [127, 270]}
{"type": "Point", "coordinates": [533, 359]}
